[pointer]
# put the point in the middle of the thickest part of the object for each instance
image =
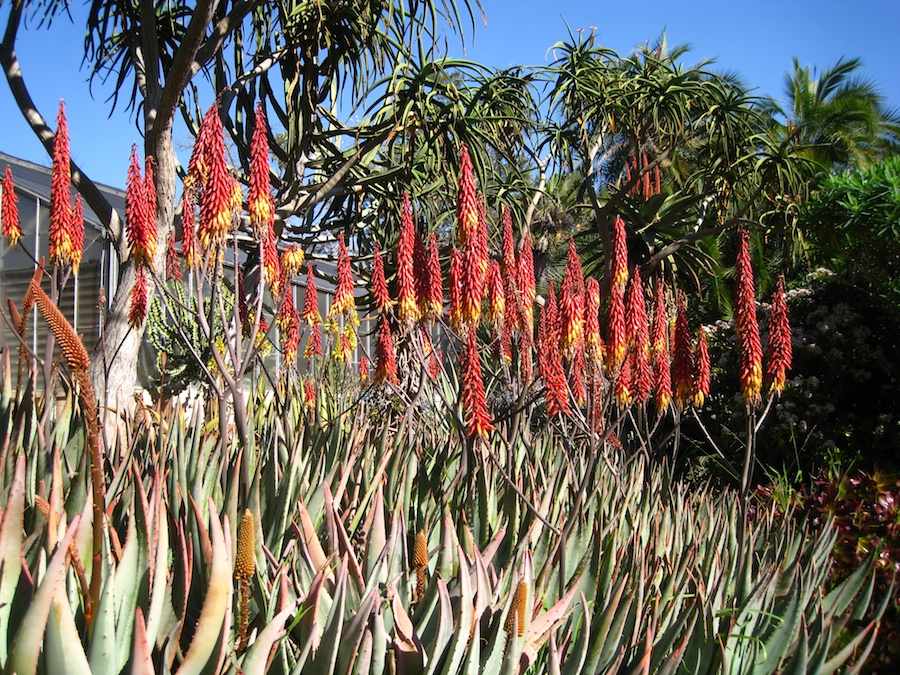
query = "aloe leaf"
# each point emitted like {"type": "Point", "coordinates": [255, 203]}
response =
{"type": "Point", "coordinates": [354, 633]}
{"type": "Point", "coordinates": [407, 648]}
{"type": "Point", "coordinates": [102, 649]}
{"type": "Point", "coordinates": [254, 662]}
{"type": "Point", "coordinates": [131, 580]}
{"type": "Point", "coordinates": [444, 627]}
{"type": "Point", "coordinates": [465, 625]}
{"type": "Point", "coordinates": [326, 656]}
{"type": "Point", "coordinates": [317, 556]}
{"type": "Point", "coordinates": [852, 647]}
{"type": "Point", "coordinates": [376, 538]}
{"type": "Point", "coordinates": [26, 645]}
{"type": "Point", "coordinates": [63, 651]}
{"type": "Point", "coordinates": [160, 571]}
{"type": "Point", "coordinates": [380, 641]}
{"type": "Point", "coordinates": [11, 550]}
{"type": "Point", "coordinates": [141, 661]}
{"type": "Point", "coordinates": [578, 654]}
{"type": "Point", "coordinates": [215, 604]}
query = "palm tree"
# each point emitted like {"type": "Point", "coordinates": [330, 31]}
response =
{"type": "Point", "coordinates": [839, 119]}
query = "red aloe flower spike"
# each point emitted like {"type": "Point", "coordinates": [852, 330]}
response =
{"type": "Point", "coordinates": [467, 201]}
{"type": "Point", "coordinates": [343, 302]}
{"type": "Point", "coordinates": [385, 358]}
{"type": "Point", "coordinates": [572, 304]}
{"type": "Point", "coordinates": [9, 211]}
{"type": "Point", "coordinates": [623, 384]}
{"type": "Point", "coordinates": [291, 332]}
{"type": "Point", "coordinates": [456, 284]}
{"type": "Point", "coordinates": [140, 212]}
{"type": "Point", "coordinates": [217, 197]}
{"type": "Point", "coordinates": [595, 351]}
{"type": "Point", "coordinates": [260, 204]}
{"type": "Point", "coordinates": [309, 394]}
{"type": "Point", "coordinates": [407, 300]}
{"type": "Point", "coordinates": [526, 286]}
{"type": "Point", "coordinates": [345, 345]}
{"type": "Point", "coordinates": [379, 284]}
{"type": "Point", "coordinates": [778, 353]}
{"type": "Point", "coordinates": [747, 325]}
{"type": "Point", "coordinates": [510, 273]}
{"type": "Point", "coordinates": [173, 265]}
{"type": "Point", "coordinates": [702, 374]}
{"type": "Point", "coordinates": [662, 376]}
{"type": "Point", "coordinates": [616, 342]}
{"type": "Point", "coordinates": [578, 376]}
{"type": "Point", "coordinates": [434, 301]}
{"type": "Point", "coordinates": [420, 266]}
{"type": "Point", "coordinates": [638, 332]}
{"type": "Point", "coordinates": [291, 260]}
{"type": "Point", "coordinates": [60, 236]}
{"type": "Point", "coordinates": [363, 370]}
{"type": "Point", "coordinates": [314, 343]}
{"type": "Point", "coordinates": [496, 297]}
{"type": "Point", "coordinates": [477, 416]}
{"type": "Point", "coordinates": [310, 312]}
{"type": "Point", "coordinates": [619, 267]}
{"type": "Point", "coordinates": [285, 312]}
{"type": "Point", "coordinates": [77, 223]}
{"type": "Point", "coordinates": [550, 359]}
{"type": "Point", "coordinates": [273, 271]}
{"type": "Point", "coordinates": [682, 357]}
{"type": "Point", "coordinates": [140, 299]}
{"type": "Point", "coordinates": [198, 166]}
{"type": "Point", "coordinates": [188, 234]}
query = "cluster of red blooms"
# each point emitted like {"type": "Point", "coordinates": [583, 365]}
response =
{"type": "Point", "coordinates": [66, 233]}
{"type": "Point", "coordinates": [9, 211]}
{"type": "Point", "coordinates": [646, 185]}
{"type": "Point", "coordinates": [140, 228]}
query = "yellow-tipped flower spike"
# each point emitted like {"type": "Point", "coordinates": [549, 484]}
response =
{"type": "Point", "coordinates": [245, 560]}
{"type": "Point", "coordinates": [517, 609]}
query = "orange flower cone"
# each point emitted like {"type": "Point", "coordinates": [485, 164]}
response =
{"type": "Point", "coordinates": [434, 300]}
{"type": "Point", "coordinates": [638, 335]}
{"type": "Point", "coordinates": [173, 265]}
{"type": "Point", "coordinates": [407, 296]}
{"type": "Point", "coordinates": [217, 195]}
{"type": "Point", "coordinates": [189, 235]}
{"type": "Point", "coordinates": [747, 324]}
{"type": "Point", "coordinates": [65, 246]}
{"type": "Point", "coordinates": [496, 297]}
{"type": "Point", "coordinates": [140, 300]}
{"type": "Point", "coordinates": [659, 349]}
{"type": "Point", "coordinates": [595, 351]}
{"type": "Point", "coordinates": [467, 199]}
{"type": "Point", "coordinates": [380, 293]}
{"type": "Point", "coordinates": [550, 360]}
{"type": "Point", "coordinates": [702, 371]}
{"type": "Point", "coordinates": [477, 416]}
{"type": "Point", "coordinates": [385, 358]}
{"type": "Point", "coordinates": [616, 337]}
{"type": "Point", "coordinates": [572, 305]}
{"type": "Point", "coordinates": [260, 204]}
{"type": "Point", "coordinates": [619, 266]}
{"type": "Point", "coordinates": [9, 211]}
{"type": "Point", "coordinates": [140, 212]}
{"type": "Point", "coordinates": [779, 351]}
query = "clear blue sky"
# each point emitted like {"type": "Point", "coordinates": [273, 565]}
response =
{"type": "Point", "coordinates": [758, 40]}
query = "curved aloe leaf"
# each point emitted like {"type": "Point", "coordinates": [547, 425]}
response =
{"type": "Point", "coordinates": [11, 550]}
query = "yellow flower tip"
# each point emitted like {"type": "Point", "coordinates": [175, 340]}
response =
{"type": "Point", "coordinates": [245, 561]}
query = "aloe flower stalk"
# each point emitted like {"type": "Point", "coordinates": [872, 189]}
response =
{"type": "Point", "coordinates": [702, 371]}
{"type": "Point", "coordinates": [140, 299]}
{"type": "Point", "coordinates": [622, 388]}
{"type": "Point", "coordinates": [272, 264]}
{"type": "Point", "coordinates": [434, 297]}
{"type": "Point", "coordinates": [659, 349]}
{"type": "Point", "coordinates": [467, 199]}
{"type": "Point", "coordinates": [77, 223]}
{"type": "Point", "coordinates": [509, 271]}
{"type": "Point", "coordinates": [682, 357]}
{"type": "Point", "coordinates": [289, 326]}
{"type": "Point", "coordinates": [496, 297]}
{"type": "Point", "coordinates": [9, 211]}
{"type": "Point", "coordinates": [747, 324]}
{"type": "Point", "coordinates": [477, 417]}
{"type": "Point", "coordinates": [595, 351]}
{"type": "Point", "coordinates": [778, 352]}
{"type": "Point", "coordinates": [260, 205]}
{"type": "Point", "coordinates": [407, 296]}
{"type": "Point", "coordinates": [65, 246]}
{"type": "Point", "coordinates": [456, 290]}
{"type": "Point", "coordinates": [638, 334]}
{"type": "Point", "coordinates": [199, 163]}
{"type": "Point", "coordinates": [189, 234]}
{"type": "Point", "coordinates": [385, 358]}
{"type": "Point", "coordinates": [343, 302]}
{"type": "Point", "coordinates": [309, 394]}
{"type": "Point", "coordinates": [616, 343]}
{"type": "Point", "coordinates": [549, 358]}
{"type": "Point", "coordinates": [217, 195]}
{"type": "Point", "coordinates": [363, 370]}
{"type": "Point", "coordinates": [526, 294]}
{"type": "Point", "coordinates": [311, 316]}
{"type": "Point", "coordinates": [292, 260]}
{"type": "Point", "coordinates": [140, 212]}
{"type": "Point", "coordinates": [578, 376]}
{"type": "Point", "coordinates": [380, 293]}
{"type": "Point", "coordinates": [173, 265]}
{"type": "Point", "coordinates": [572, 304]}
{"type": "Point", "coordinates": [619, 262]}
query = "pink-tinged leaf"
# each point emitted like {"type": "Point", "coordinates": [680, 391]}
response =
{"type": "Point", "coordinates": [407, 648]}
{"type": "Point", "coordinates": [257, 657]}
{"type": "Point", "coordinates": [141, 663]}
{"type": "Point", "coordinates": [11, 547]}
{"type": "Point", "coordinates": [313, 546]}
